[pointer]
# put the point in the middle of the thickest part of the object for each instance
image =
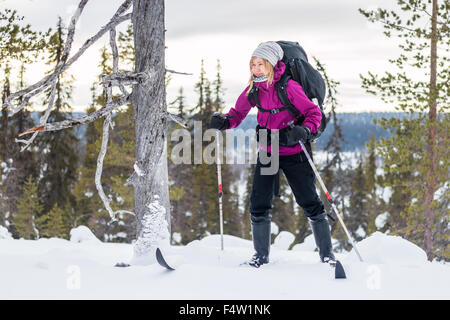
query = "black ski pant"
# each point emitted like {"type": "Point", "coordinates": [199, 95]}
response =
{"type": "Point", "coordinates": [301, 179]}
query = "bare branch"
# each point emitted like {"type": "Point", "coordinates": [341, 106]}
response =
{"type": "Point", "coordinates": [43, 119]}
{"type": "Point", "coordinates": [176, 72]}
{"type": "Point", "coordinates": [71, 33]}
{"type": "Point", "coordinates": [59, 66]}
{"type": "Point", "coordinates": [123, 78]}
{"type": "Point", "coordinates": [98, 173]}
{"type": "Point", "coordinates": [56, 126]}
{"type": "Point", "coordinates": [34, 129]}
{"type": "Point", "coordinates": [108, 81]}
{"type": "Point", "coordinates": [83, 120]}
{"type": "Point", "coordinates": [131, 180]}
{"type": "Point", "coordinates": [177, 119]}
{"type": "Point", "coordinates": [41, 85]}
{"type": "Point", "coordinates": [115, 53]}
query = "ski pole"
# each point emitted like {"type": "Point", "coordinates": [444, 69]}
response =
{"type": "Point", "coordinates": [330, 200]}
{"type": "Point", "coordinates": [219, 180]}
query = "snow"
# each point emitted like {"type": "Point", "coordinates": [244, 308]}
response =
{"type": "Point", "coordinates": [138, 170]}
{"type": "Point", "coordinates": [4, 233]}
{"type": "Point", "coordinates": [441, 191]}
{"type": "Point", "coordinates": [386, 193]}
{"type": "Point", "coordinates": [83, 268]}
{"type": "Point", "coordinates": [392, 250]}
{"type": "Point", "coordinates": [360, 232]}
{"type": "Point", "coordinates": [283, 240]}
{"type": "Point", "coordinates": [381, 219]}
{"type": "Point", "coordinates": [155, 233]}
{"type": "Point", "coordinates": [176, 236]}
{"type": "Point", "coordinates": [308, 244]}
{"type": "Point", "coordinates": [82, 234]}
{"type": "Point", "coordinates": [274, 228]}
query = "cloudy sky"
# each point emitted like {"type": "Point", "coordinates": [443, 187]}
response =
{"type": "Point", "coordinates": [333, 31]}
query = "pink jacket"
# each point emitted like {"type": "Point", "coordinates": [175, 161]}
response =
{"type": "Point", "coordinates": [268, 98]}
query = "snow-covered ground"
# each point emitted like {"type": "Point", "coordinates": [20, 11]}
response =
{"type": "Point", "coordinates": [83, 268]}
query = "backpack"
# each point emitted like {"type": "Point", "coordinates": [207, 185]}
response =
{"type": "Point", "coordinates": [300, 70]}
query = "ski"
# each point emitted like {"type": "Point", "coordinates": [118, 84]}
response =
{"type": "Point", "coordinates": [339, 272]}
{"type": "Point", "coordinates": [122, 265]}
{"type": "Point", "coordinates": [162, 262]}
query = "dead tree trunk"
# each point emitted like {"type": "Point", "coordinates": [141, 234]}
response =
{"type": "Point", "coordinates": [149, 102]}
{"type": "Point", "coordinates": [150, 178]}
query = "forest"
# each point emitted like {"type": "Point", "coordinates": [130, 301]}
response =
{"type": "Point", "coordinates": [386, 172]}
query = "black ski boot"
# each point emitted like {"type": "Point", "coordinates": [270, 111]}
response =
{"type": "Point", "coordinates": [322, 235]}
{"type": "Point", "coordinates": [258, 261]}
{"type": "Point", "coordinates": [261, 240]}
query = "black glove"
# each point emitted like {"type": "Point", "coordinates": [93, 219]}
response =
{"type": "Point", "coordinates": [298, 133]}
{"type": "Point", "coordinates": [219, 122]}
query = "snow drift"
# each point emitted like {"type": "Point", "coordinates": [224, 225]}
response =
{"type": "Point", "coordinates": [83, 268]}
{"type": "Point", "coordinates": [83, 234]}
{"type": "Point", "coordinates": [385, 249]}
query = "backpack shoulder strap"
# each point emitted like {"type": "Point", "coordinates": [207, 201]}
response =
{"type": "Point", "coordinates": [254, 100]}
{"type": "Point", "coordinates": [253, 97]}
{"type": "Point", "coordinates": [281, 86]}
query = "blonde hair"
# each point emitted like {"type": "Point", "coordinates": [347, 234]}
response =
{"type": "Point", "coordinates": [268, 67]}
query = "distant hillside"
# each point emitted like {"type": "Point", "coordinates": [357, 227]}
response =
{"type": "Point", "coordinates": [357, 128]}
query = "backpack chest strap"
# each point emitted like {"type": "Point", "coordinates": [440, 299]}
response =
{"type": "Point", "coordinates": [284, 99]}
{"type": "Point", "coordinates": [272, 111]}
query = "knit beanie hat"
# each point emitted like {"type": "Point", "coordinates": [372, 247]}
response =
{"type": "Point", "coordinates": [270, 50]}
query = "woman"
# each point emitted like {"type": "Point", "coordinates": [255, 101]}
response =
{"type": "Point", "coordinates": [266, 69]}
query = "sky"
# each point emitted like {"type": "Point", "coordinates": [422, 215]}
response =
{"type": "Point", "coordinates": [332, 31]}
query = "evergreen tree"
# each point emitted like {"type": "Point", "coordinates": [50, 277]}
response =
{"type": "Point", "coordinates": [178, 175]}
{"type": "Point", "coordinates": [28, 209]}
{"type": "Point", "coordinates": [180, 102]}
{"type": "Point", "coordinates": [204, 204]}
{"type": "Point", "coordinates": [218, 90]}
{"type": "Point", "coordinates": [199, 88]}
{"type": "Point", "coordinates": [126, 47]}
{"type": "Point", "coordinates": [19, 45]}
{"type": "Point", "coordinates": [357, 211]}
{"type": "Point", "coordinates": [118, 162]}
{"type": "Point", "coordinates": [341, 196]}
{"type": "Point", "coordinates": [232, 216]}
{"type": "Point", "coordinates": [209, 104]}
{"type": "Point", "coordinates": [18, 42]}
{"type": "Point", "coordinates": [302, 226]}
{"type": "Point", "coordinates": [415, 157]}
{"type": "Point", "coordinates": [375, 205]}
{"type": "Point", "coordinates": [333, 165]}
{"type": "Point", "coordinates": [205, 207]}
{"type": "Point", "coordinates": [59, 157]}
{"type": "Point", "coordinates": [53, 224]}
{"type": "Point", "coordinates": [199, 214]}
